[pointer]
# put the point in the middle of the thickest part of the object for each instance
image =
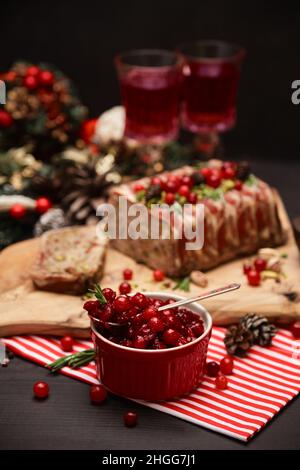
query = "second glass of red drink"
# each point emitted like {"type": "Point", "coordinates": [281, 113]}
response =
{"type": "Point", "coordinates": [149, 82]}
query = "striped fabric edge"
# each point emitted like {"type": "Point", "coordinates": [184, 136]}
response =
{"type": "Point", "coordinates": [262, 383]}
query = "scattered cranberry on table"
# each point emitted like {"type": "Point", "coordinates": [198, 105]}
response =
{"type": "Point", "coordinates": [41, 390]}
{"type": "Point", "coordinates": [67, 343]}
{"type": "Point", "coordinates": [158, 275]}
{"type": "Point", "coordinates": [127, 274]}
{"type": "Point", "coordinates": [226, 365]}
{"type": "Point", "coordinates": [130, 419]}
{"type": "Point", "coordinates": [295, 329]}
{"type": "Point", "coordinates": [212, 368]}
{"type": "Point", "coordinates": [98, 394]}
{"type": "Point", "coordinates": [253, 277]}
{"type": "Point", "coordinates": [124, 288]}
{"type": "Point", "coordinates": [221, 382]}
{"type": "Point", "coordinates": [260, 264]}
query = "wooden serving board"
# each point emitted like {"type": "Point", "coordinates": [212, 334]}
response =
{"type": "Point", "coordinates": [25, 310]}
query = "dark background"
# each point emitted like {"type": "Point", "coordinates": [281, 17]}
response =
{"type": "Point", "coordinates": [82, 38]}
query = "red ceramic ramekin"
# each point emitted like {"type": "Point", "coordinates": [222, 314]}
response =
{"type": "Point", "coordinates": [153, 374]}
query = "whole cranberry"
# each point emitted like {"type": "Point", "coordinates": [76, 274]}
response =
{"type": "Point", "coordinates": [228, 173]}
{"type": "Point", "coordinates": [121, 304]}
{"type": "Point", "coordinates": [192, 198]}
{"type": "Point", "coordinates": [171, 336]}
{"type": "Point", "coordinates": [187, 181]}
{"type": "Point", "coordinates": [67, 343]}
{"type": "Point", "coordinates": [137, 320]}
{"type": "Point", "coordinates": [130, 419]}
{"type": "Point", "coordinates": [221, 382]}
{"type": "Point", "coordinates": [247, 267]}
{"type": "Point", "coordinates": [91, 306]}
{"type": "Point", "coordinates": [205, 172]}
{"type": "Point", "coordinates": [184, 191]}
{"type": "Point", "coordinates": [156, 181]}
{"type": "Point", "coordinates": [41, 390]}
{"type": "Point", "coordinates": [139, 300]}
{"type": "Point", "coordinates": [169, 198]}
{"type": "Point", "coordinates": [213, 180]}
{"type": "Point", "coordinates": [260, 264]}
{"type": "Point", "coordinates": [197, 329]}
{"type": "Point", "coordinates": [109, 294]}
{"type": "Point", "coordinates": [171, 186]}
{"type": "Point", "coordinates": [158, 275]}
{"type": "Point", "coordinates": [295, 329]}
{"type": "Point", "coordinates": [127, 274]}
{"type": "Point", "coordinates": [238, 185]}
{"type": "Point", "coordinates": [212, 368]}
{"type": "Point", "coordinates": [226, 365]}
{"type": "Point", "coordinates": [33, 70]}
{"type": "Point", "coordinates": [105, 313]}
{"type": "Point", "coordinates": [46, 78]}
{"type": "Point", "coordinates": [181, 341]}
{"type": "Point", "coordinates": [156, 325]}
{"type": "Point", "coordinates": [149, 312]}
{"type": "Point", "coordinates": [31, 82]}
{"type": "Point", "coordinates": [98, 394]}
{"type": "Point", "coordinates": [253, 277]}
{"type": "Point", "coordinates": [124, 288]}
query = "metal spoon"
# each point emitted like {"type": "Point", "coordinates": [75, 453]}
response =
{"type": "Point", "coordinates": [180, 303]}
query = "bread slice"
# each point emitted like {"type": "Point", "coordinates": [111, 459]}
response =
{"type": "Point", "coordinates": [70, 260]}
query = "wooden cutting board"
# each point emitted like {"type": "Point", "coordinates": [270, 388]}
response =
{"type": "Point", "coordinates": [25, 310]}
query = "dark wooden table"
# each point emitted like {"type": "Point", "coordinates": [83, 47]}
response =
{"type": "Point", "coordinates": [67, 420]}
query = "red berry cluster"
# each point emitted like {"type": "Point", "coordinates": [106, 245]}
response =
{"type": "Point", "coordinates": [252, 271]}
{"type": "Point", "coordinates": [174, 187]}
{"type": "Point", "coordinates": [42, 205]}
{"type": "Point", "coordinates": [220, 370]}
{"type": "Point", "coordinates": [143, 326]}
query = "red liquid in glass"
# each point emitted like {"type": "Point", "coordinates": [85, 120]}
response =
{"type": "Point", "coordinates": [150, 99]}
{"type": "Point", "coordinates": [209, 94]}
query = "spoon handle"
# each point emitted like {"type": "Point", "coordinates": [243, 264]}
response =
{"type": "Point", "coordinates": [206, 295]}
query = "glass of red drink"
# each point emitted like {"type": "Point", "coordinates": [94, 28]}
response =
{"type": "Point", "coordinates": [211, 73]}
{"type": "Point", "coordinates": [149, 81]}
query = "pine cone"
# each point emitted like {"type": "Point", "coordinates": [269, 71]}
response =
{"type": "Point", "coordinates": [238, 340]}
{"type": "Point", "coordinates": [262, 330]}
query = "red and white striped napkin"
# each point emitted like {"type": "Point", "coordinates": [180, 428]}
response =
{"type": "Point", "coordinates": [262, 384]}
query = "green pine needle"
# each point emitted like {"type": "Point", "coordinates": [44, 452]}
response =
{"type": "Point", "coordinates": [72, 360]}
{"type": "Point", "coordinates": [97, 292]}
{"type": "Point", "coordinates": [183, 284]}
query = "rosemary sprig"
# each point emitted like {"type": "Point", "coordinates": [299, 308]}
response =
{"type": "Point", "coordinates": [72, 360]}
{"type": "Point", "coordinates": [97, 292]}
{"type": "Point", "coordinates": [183, 284]}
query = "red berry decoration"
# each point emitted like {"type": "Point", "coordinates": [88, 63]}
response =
{"type": "Point", "coordinates": [41, 390]}
{"type": "Point", "coordinates": [156, 325]}
{"type": "Point", "coordinates": [253, 277]}
{"type": "Point", "coordinates": [221, 382]}
{"type": "Point", "coordinates": [192, 198]}
{"type": "Point", "coordinates": [226, 365]}
{"type": "Point", "coordinates": [109, 294]}
{"type": "Point", "coordinates": [238, 185]}
{"type": "Point", "coordinates": [124, 288]}
{"type": "Point", "coordinates": [46, 78]}
{"type": "Point", "coordinates": [295, 329]}
{"type": "Point", "coordinates": [31, 82]}
{"type": "Point", "coordinates": [6, 119]}
{"type": "Point", "coordinates": [169, 198]}
{"type": "Point", "coordinates": [260, 264]}
{"type": "Point", "coordinates": [139, 300]}
{"type": "Point", "coordinates": [42, 205]}
{"type": "Point", "coordinates": [171, 336]}
{"type": "Point", "coordinates": [87, 130]}
{"type": "Point", "coordinates": [228, 173]}
{"type": "Point", "coordinates": [187, 181]}
{"type": "Point", "coordinates": [33, 70]}
{"type": "Point", "coordinates": [127, 274]}
{"type": "Point", "coordinates": [67, 343]}
{"type": "Point", "coordinates": [130, 419]}
{"type": "Point", "coordinates": [17, 211]}
{"type": "Point", "coordinates": [98, 394]}
{"type": "Point", "coordinates": [158, 275]}
{"type": "Point", "coordinates": [212, 368]}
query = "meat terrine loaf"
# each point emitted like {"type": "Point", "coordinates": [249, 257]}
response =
{"type": "Point", "coordinates": [240, 216]}
{"type": "Point", "coordinates": [70, 260]}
